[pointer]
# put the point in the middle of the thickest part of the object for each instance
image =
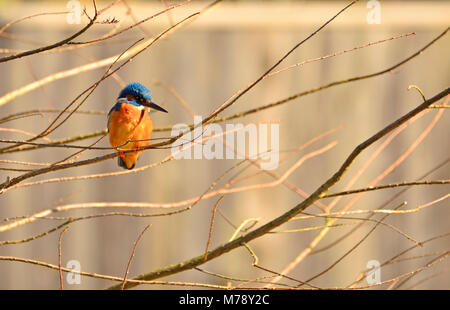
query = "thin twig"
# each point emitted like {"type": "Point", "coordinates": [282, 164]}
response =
{"type": "Point", "coordinates": [212, 224]}
{"type": "Point", "coordinates": [132, 254]}
{"type": "Point", "coordinates": [61, 285]}
{"type": "Point", "coordinates": [392, 185]}
{"type": "Point", "coordinates": [27, 17]}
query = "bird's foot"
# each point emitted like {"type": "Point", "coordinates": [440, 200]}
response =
{"type": "Point", "coordinates": [122, 154]}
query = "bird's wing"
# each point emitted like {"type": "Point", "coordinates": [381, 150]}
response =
{"type": "Point", "coordinates": [115, 107]}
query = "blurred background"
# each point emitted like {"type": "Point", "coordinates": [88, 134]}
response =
{"type": "Point", "coordinates": [206, 62]}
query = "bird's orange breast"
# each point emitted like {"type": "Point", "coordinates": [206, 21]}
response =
{"type": "Point", "coordinates": [129, 123]}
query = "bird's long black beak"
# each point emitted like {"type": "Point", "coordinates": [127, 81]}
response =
{"type": "Point", "coordinates": [153, 105]}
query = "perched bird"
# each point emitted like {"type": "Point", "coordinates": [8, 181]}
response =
{"type": "Point", "coordinates": [129, 123]}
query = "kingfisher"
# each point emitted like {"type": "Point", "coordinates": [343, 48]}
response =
{"type": "Point", "coordinates": [129, 123]}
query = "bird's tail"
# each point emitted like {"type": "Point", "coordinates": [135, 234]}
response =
{"type": "Point", "coordinates": [122, 164]}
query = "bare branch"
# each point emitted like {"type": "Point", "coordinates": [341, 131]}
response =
{"type": "Point", "coordinates": [61, 285]}
{"type": "Point", "coordinates": [54, 45]}
{"type": "Point", "coordinates": [392, 185]}
{"type": "Point", "coordinates": [132, 254]}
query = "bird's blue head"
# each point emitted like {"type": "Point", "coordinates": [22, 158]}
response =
{"type": "Point", "coordinates": [141, 94]}
{"type": "Point", "coordinates": [137, 91]}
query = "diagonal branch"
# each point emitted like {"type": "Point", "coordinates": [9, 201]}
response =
{"type": "Point", "coordinates": [392, 185]}
{"type": "Point", "coordinates": [248, 88]}
{"type": "Point", "coordinates": [318, 193]}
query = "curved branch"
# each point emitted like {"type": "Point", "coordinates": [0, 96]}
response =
{"type": "Point", "coordinates": [392, 185]}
